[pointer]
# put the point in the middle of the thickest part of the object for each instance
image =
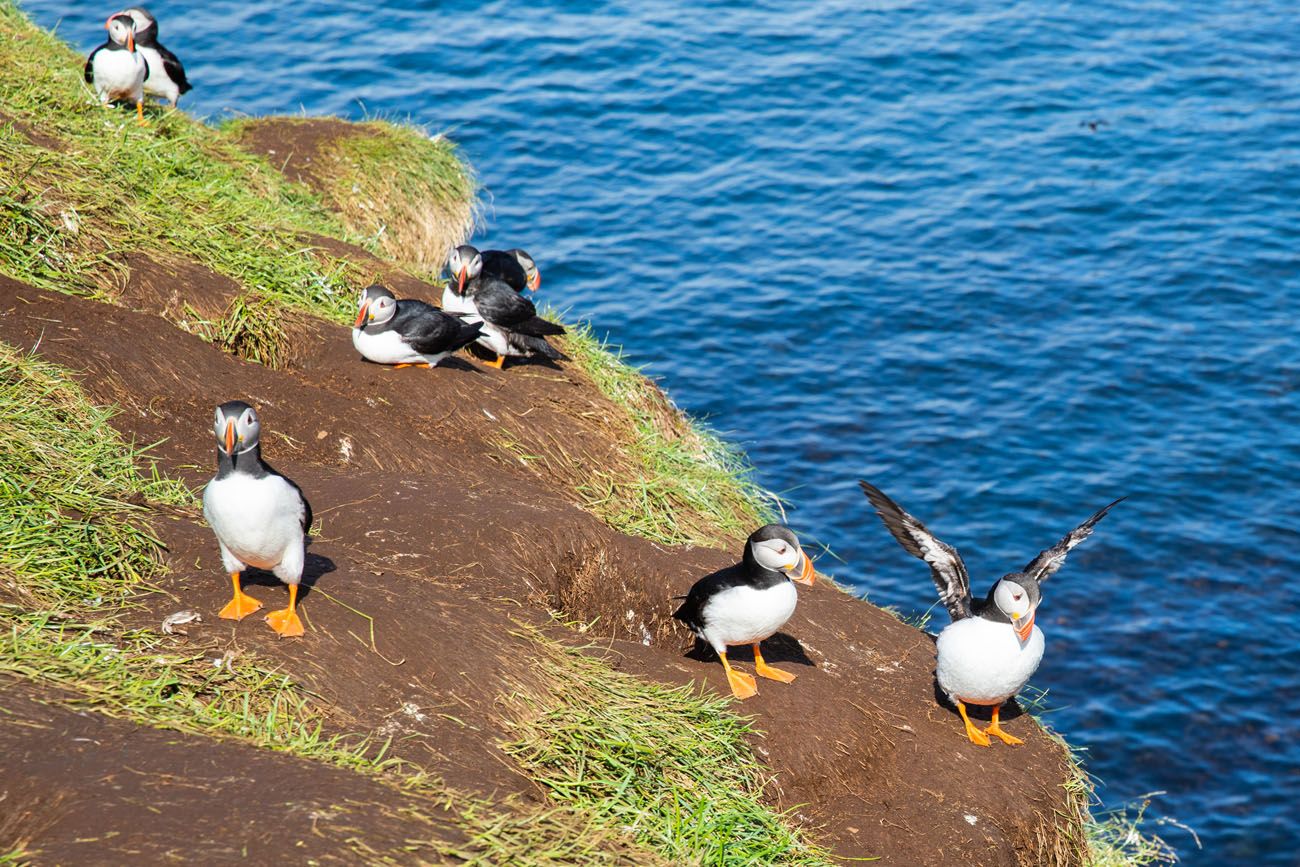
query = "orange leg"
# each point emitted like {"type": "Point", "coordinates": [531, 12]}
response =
{"type": "Point", "coordinates": [241, 605]}
{"type": "Point", "coordinates": [996, 730]}
{"type": "Point", "coordinates": [423, 364]}
{"type": "Point", "coordinates": [762, 669]}
{"type": "Point", "coordinates": [499, 364]}
{"type": "Point", "coordinates": [139, 114]}
{"type": "Point", "coordinates": [976, 736]}
{"type": "Point", "coordinates": [742, 685]}
{"type": "Point", "coordinates": [285, 621]}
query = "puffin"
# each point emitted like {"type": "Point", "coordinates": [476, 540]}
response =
{"type": "Point", "coordinates": [408, 332]}
{"type": "Point", "coordinates": [511, 326]}
{"type": "Point", "coordinates": [166, 76]}
{"type": "Point", "coordinates": [992, 647]}
{"type": "Point", "coordinates": [116, 69]}
{"type": "Point", "coordinates": [748, 602]}
{"type": "Point", "coordinates": [466, 264]}
{"type": "Point", "coordinates": [259, 516]}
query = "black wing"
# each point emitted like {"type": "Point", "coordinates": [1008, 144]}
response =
{"type": "Point", "coordinates": [503, 266]}
{"type": "Point", "coordinates": [173, 68]}
{"type": "Point", "coordinates": [90, 64]}
{"type": "Point", "coordinates": [305, 518]}
{"type": "Point", "coordinates": [1044, 566]}
{"type": "Point", "coordinates": [946, 566]}
{"type": "Point", "coordinates": [428, 330]}
{"type": "Point", "coordinates": [691, 612]}
{"type": "Point", "coordinates": [505, 308]}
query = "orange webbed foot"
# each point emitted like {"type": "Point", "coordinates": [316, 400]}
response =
{"type": "Point", "coordinates": [241, 604]}
{"type": "Point", "coordinates": [762, 669]}
{"type": "Point", "coordinates": [285, 621]}
{"type": "Point", "coordinates": [743, 685]}
{"type": "Point", "coordinates": [996, 730]}
{"type": "Point", "coordinates": [976, 736]}
{"type": "Point", "coordinates": [499, 364]}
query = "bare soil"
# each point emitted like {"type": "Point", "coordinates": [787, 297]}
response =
{"type": "Point", "coordinates": [449, 540]}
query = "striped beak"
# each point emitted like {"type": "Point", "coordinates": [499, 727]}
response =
{"type": "Point", "coordinates": [806, 574]}
{"type": "Point", "coordinates": [361, 314]}
{"type": "Point", "coordinates": [230, 437]}
{"type": "Point", "coordinates": [460, 286]}
{"type": "Point", "coordinates": [1023, 629]}
{"type": "Point", "coordinates": [535, 281]}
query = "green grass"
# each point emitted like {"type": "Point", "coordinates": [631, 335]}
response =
{"type": "Point", "coordinates": [687, 486]}
{"type": "Point", "coordinates": [670, 766]}
{"type": "Point", "coordinates": [72, 496]}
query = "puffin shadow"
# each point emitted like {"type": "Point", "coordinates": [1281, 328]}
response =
{"type": "Point", "coordinates": [778, 648]}
{"type": "Point", "coordinates": [1011, 710]}
{"type": "Point", "coordinates": [313, 569]}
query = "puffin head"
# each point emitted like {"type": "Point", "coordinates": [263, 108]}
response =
{"type": "Point", "coordinates": [530, 269]}
{"type": "Point", "coordinates": [464, 264]}
{"type": "Point", "coordinates": [1017, 596]}
{"type": "Point", "coordinates": [146, 26]}
{"type": "Point", "coordinates": [776, 549]}
{"type": "Point", "coordinates": [121, 29]}
{"type": "Point", "coordinates": [236, 428]}
{"type": "Point", "coordinates": [376, 304]}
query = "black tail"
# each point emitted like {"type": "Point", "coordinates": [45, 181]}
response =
{"type": "Point", "coordinates": [538, 327]}
{"type": "Point", "coordinates": [469, 332]}
{"type": "Point", "coordinates": [537, 346]}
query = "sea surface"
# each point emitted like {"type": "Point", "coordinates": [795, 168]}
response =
{"type": "Point", "coordinates": [1007, 260]}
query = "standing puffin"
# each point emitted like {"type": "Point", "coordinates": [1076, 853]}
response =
{"type": "Point", "coordinates": [992, 647]}
{"type": "Point", "coordinates": [748, 602]}
{"type": "Point", "coordinates": [116, 69]}
{"type": "Point", "coordinates": [260, 517]}
{"type": "Point", "coordinates": [465, 265]}
{"type": "Point", "coordinates": [166, 76]}
{"type": "Point", "coordinates": [407, 332]}
{"type": "Point", "coordinates": [511, 326]}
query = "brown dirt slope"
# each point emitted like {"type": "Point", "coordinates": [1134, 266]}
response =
{"type": "Point", "coordinates": [446, 539]}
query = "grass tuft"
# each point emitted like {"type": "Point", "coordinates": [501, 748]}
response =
{"type": "Point", "coordinates": [671, 767]}
{"type": "Point", "coordinates": [72, 501]}
{"type": "Point", "coordinates": [688, 486]}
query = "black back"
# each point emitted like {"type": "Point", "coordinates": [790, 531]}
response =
{"type": "Point", "coordinates": [505, 308]}
{"type": "Point", "coordinates": [427, 329]}
{"type": "Point", "coordinates": [747, 573]}
{"type": "Point", "coordinates": [502, 265]}
{"type": "Point", "coordinates": [171, 63]}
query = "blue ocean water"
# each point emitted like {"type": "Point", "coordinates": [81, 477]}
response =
{"type": "Point", "coordinates": [1007, 260]}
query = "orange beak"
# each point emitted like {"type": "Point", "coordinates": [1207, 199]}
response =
{"type": "Point", "coordinates": [460, 288]}
{"type": "Point", "coordinates": [807, 575]}
{"type": "Point", "coordinates": [230, 437]}
{"type": "Point", "coordinates": [361, 315]}
{"type": "Point", "coordinates": [108, 21]}
{"type": "Point", "coordinates": [535, 283]}
{"type": "Point", "coordinates": [130, 40]}
{"type": "Point", "coordinates": [1024, 630]}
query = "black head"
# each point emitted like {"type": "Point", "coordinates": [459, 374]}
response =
{"type": "Point", "coordinates": [530, 268]}
{"type": "Point", "coordinates": [464, 264]}
{"type": "Point", "coordinates": [773, 548]}
{"type": "Point", "coordinates": [236, 428]}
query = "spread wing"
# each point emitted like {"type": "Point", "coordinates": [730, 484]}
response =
{"type": "Point", "coordinates": [501, 306]}
{"type": "Point", "coordinates": [175, 71]}
{"type": "Point", "coordinates": [1044, 566]}
{"type": "Point", "coordinates": [946, 566]}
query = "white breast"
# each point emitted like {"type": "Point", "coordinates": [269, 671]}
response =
{"type": "Point", "coordinates": [119, 75]}
{"type": "Point", "coordinates": [743, 615]}
{"type": "Point", "coordinates": [983, 662]}
{"type": "Point", "coordinates": [157, 83]}
{"type": "Point", "coordinates": [453, 303]}
{"type": "Point", "coordinates": [258, 520]}
{"type": "Point", "coordinates": [387, 347]}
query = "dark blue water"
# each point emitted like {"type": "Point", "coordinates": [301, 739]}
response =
{"type": "Point", "coordinates": [1007, 260]}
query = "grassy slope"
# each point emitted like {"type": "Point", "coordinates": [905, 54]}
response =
{"type": "Point", "coordinates": [67, 213]}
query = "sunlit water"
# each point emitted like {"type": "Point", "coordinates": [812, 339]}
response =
{"type": "Point", "coordinates": [1008, 261]}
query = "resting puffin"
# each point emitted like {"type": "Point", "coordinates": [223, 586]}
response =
{"type": "Point", "coordinates": [992, 646]}
{"type": "Point", "coordinates": [466, 265]}
{"type": "Point", "coordinates": [260, 517]}
{"type": "Point", "coordinates": [166, 76]}
{"type": "Point", "coordinates": [749, 602]}
{"type": "Point", "coordinates": [116, 69]}
{"type": "Point", "coordinates": [514, 267]}
{"type": "Point", "coordinates": [407, 332]}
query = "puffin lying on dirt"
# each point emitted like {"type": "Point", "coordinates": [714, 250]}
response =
{"type": "Point", "coordinates": [511, 326]}
{"type": "Point", "coordinates": [260, 517]}
{"type": "Point", "coordinates": [166, 76]}
{"type": "Point", "coordinates": [749, 602]}
{"type": "Point", "coordinates": [992, 647]}
{"type": "Point", "coordinates": [116, 69]}
{"type": "Point", "coordinates": [407, 332]}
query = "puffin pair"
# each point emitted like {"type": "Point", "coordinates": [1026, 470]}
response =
{"type": "Point", "coordinates": [260, 518]}
{"type": "Point", "coordinates": [408, 332]}
{"type": "Point", "coordinates": [748, 602]}
{"type": "Point", "coordinates": [487, 287]}
{"type": "Point", "coordinates": [132, 63]}
{"type": "Point", "coordinates": [992, 647]}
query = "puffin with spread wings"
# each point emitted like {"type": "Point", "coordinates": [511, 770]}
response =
{"type": "Point", "coordinates": [992, 647]}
